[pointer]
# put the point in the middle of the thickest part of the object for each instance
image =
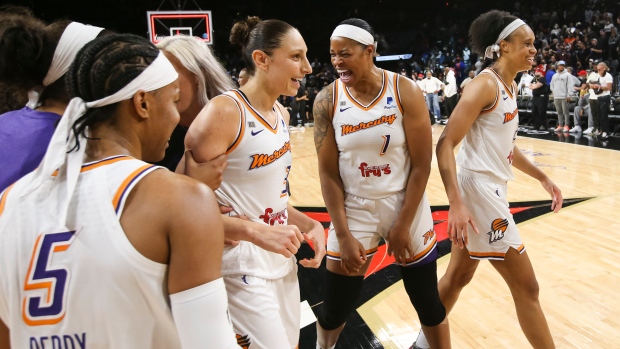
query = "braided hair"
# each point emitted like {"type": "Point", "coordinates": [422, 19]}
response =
{"type": "Point", "coordinates": [103, 67]}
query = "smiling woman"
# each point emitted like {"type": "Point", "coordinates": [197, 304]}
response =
{"type": "Point", "coordinates": [250, 127]}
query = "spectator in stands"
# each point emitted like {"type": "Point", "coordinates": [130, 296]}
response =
{"type": "Point", "coordinates": [472, 74]}
{"type": "Point", "coordinates": [479, 65]}
{"type": "Point", "coordinates": [550, 73]}
{"type": "Point", "coordinates": [593, 78]}
{"type": "Point", "coordinates": [561, 88]}
{"type": "Point", "coordinates": [602, 88]}
{"type": "Point", "coordinates": [613, 41]}
{"type": "Point", "coordinates": [582, 107]}
{"type": "Point", "coordinates": [298, 105]}
{"type": "Point", "coordinates": [596, 50]}
{"type": "Point", "coordinates": [540, 97]}
{"type": "Point", "coordinates": [431, 86]}
{"type": "Point", "coordinates": [450, 90]}
{"type": "Point", "coordinates": [524, 84]}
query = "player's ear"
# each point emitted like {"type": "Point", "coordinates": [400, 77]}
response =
{"type": "Point", "coordinates": [261, 59]}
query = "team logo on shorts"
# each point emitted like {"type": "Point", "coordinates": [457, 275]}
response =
{"type": "Point", "coordinates": [243, 341]}
{"type": "Point", "coordinates": [428, 236]}
{"type": "Point", "coordinates": [498, 229]}
{"type": "Point", "coordinates": [272, 218]}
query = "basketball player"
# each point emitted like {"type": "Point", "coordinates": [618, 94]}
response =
{"type": "Point", "coordinates": [35, 57]}
{"type": "Point", "coordinates": [480, 224]}
{"type": "Point", "coordinates": [99, 248]}
{"type": "Point", "coordinates": [201, 77]}
{"type": "Point", "coordinates": [251, 128]}
{"type": "Point", "coordinates": [373, 177]}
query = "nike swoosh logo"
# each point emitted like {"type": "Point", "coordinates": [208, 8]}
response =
{"type": "Point", "coordinates": [341, 110]}
{"type": "Point", "coordinates": [505, 98]}
{"type": "Point", "coordinates": [257, 132]}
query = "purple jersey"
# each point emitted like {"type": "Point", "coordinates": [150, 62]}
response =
{"type": "Point", "coordinates": [24, 137]}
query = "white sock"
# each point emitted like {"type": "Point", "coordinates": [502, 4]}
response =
{"type": "Point", "coordinates": [421, 341]}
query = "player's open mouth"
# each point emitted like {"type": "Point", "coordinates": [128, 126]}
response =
{"type": "Point", "coordinates": [345, 75]}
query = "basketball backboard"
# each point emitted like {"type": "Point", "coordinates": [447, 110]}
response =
{"type": "Point", "coordinates": [170, 23]}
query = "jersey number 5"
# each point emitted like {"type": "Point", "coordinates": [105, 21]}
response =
{"type": "Point", "coordinates": [46, 286]}
{"type": "Point", "coordinates": [386, 144]}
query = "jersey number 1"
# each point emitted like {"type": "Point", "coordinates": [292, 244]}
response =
{"type": "Point", "coordinates": [46, 286]}
{"type": "Point", "coordinates": [386, 144]}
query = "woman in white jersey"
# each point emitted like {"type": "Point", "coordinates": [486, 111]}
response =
{"type": "Point", "coordinates": [480, 224]}
{"type": "Point", "coordinates": [251, 128]}
{"type": "Point", "coordinates": [374, 150]}
{"type": "Point", "coordinates": [99, 248]}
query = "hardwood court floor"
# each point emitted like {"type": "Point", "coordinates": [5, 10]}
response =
{"type": "Point", "coordinates": [575, 253]}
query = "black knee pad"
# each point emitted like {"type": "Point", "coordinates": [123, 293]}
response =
{"type": "Point", "coordinates": [341, 293]}
{"type": "Point", "coordinates": [421, 286]}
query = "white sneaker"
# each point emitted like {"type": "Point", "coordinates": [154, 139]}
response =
{"type": "Point", "coordinates": [588, 131]}
{"type": "Point", "coordinates": [604, 135]}
{"type": "Point", "coordinates": [575, 129]}
{"type": "Point", "coordinates": [302, 129]}
{"type": "Point", "coordinates": [292, 128]}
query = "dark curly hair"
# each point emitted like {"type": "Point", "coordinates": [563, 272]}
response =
{"type": "Point", "coordinates": [485, 29]}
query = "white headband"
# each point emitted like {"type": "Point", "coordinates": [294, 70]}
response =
{"type": "Point", "coordinates": [488, 53]}
{"type": "Point", "coordinates": [157, 75]}
{"type": "Point", "coordinates": [354, 33]}
{"type": "Point", "coordinates": [73, 38]}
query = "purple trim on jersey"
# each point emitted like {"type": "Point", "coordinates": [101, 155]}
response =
{"type": "Point", "coordinates": [24, 137]}
{"type": "Point", "coordinates": [129, 185]}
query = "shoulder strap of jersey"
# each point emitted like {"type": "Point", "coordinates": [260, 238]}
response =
{"type": "Point", "coordinates": [490, 108]}
{"type": "Point", "coordinates": [241, 129]}
{"type": "Point", "coordinates": [123, 177]}
{"type": "Point", "coordinates": [396, 85]}
{"type": "Point", "coordinates": [335, 97]}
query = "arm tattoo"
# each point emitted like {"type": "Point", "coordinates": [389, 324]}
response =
{"type": "Point", "coordinates": [322, 120]}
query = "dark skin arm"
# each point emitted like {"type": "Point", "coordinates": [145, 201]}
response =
{"type": "Point", "coordinates": [171, 228]}
{"type": "Point", "coordinates": [417, 127]}
{"type": "Point", "coordinates": [352, 253]}
{"type": "Point", "coordinates": [5, 336]}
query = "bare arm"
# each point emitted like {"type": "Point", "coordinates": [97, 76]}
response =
{"type": "Point", "coordinates": [327, 153]}
{"type": "Point", "coordinates": [181, 229]}
{"type": "Point", "coordinates": [352, 253]}
{"type": "Point", "coordinates": [5, 336]}
{"type": "Point", "coordinates": [521, 163]}
{"type": "Point", "coordinates": [474, 100]}
{"type": "Point", "coordinates": [417, 127]}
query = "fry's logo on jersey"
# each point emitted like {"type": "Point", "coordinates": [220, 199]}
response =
{"type": "Point", "coordinates": [385, 119]}
{"type": "Point", "coordinates": [508, 117]}
{"type": "Point", "coordinates": [272, 218]}
{"type": "Point", "coordinates": [374, 170]}
{"type": "Point", "coordinates": [260, 160]}
{"type": "Point", "coordinates": [498, 229]}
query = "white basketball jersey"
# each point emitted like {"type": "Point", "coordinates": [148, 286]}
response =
{"type": "Point", "coordinates": [373, 157]}
{"type": "Point", "coordinates": [254, 184]}
{"type": "Point", "coordinates": [488, 146]}
{"type": "Point", "coordinates": [82, 285]}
